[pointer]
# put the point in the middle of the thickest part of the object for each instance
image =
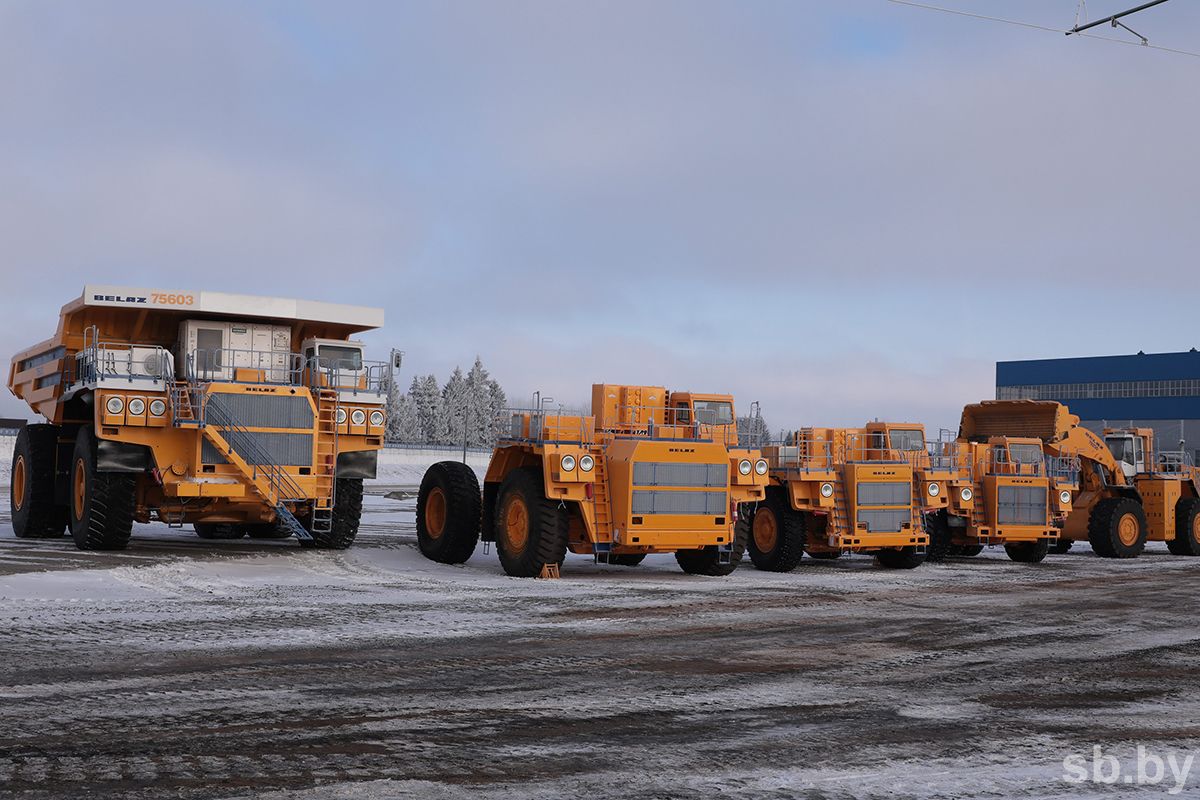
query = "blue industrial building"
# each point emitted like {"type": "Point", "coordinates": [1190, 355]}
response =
{"type": "Point", "coordinates": [1160, 391]}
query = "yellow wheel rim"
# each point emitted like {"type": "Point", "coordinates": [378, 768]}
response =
{"type": "Point", "coordinates": [516, 524]}
{"type": "Point", "coordinates": [80, 486]}
{"type": "Point", "coordinates": [1128, 530]}
{"type": "Point", "coordinates": [18, 483]}
{"type": "Point", "coordinates": [435, 513]}
{"type": "Point", "coordinates": [765, 529]}
{"type": "Point", "coordinates": [1196, 529]}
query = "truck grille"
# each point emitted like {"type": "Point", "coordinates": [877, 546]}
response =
{"type": "Point", "coordinates": [668, 502]}
{"type": "Point", "coordinates": [1021, 505]}
{"type": "Point", "coordinates": [266, 410]}
{"type": "Point", "coordinates": [658, 473]}
{"type": "Point", "coordinates": [884, 520]}
{"type": "Point", "coordinates": [285, 449]}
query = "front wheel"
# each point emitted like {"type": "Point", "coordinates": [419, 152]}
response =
{"type": "Point", "coordinates": [626, 559]}
{"type": "Point", "coordinates": [218, 530]}
{"type": "Point", "coordinates": [776, 533]}
{"type": "Point", "coordinates": [708, 560]}
{"type": "Point", "coordinates": [900, 558]}
{"type": "Point", "coordinates": [531, 530]}
{"type": "Point", "coordinates": [448, 513]}
{"type": "Point", "coordinates": [1062, 546]}
{"type": "Point", "coordinates": [102, 503]}
{"type": "Point", "coordinates": [937, 525]}
{"type": "Point", "coordinates": [1028, 552]}
{"type": "Point", "coordinates": [347, 513]}
{"type": "Point", "coordinates": [1117, 528]}
{"type": "Point", "coordinates": [1187, 528]}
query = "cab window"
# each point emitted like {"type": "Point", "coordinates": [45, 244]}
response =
{"type": "Point", "coordinates": [713, 412]}
{"type": "Point", "coordinates": [907, 440]}
{"type": "Point", "coordinates": [337, 357]}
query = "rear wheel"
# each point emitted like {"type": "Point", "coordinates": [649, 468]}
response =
{"type": "Point", "coordinates": [218, 530]}
{"type": "Point", "coordinates": [627, 559]}
{"type": "Point", "coordinates": [448, 513]}
{"type": "Point", "coordinates": [824, 556]}
{"type": "Point", "coordinates": [1187, 528]}
{"type": "Point", "coordinates": [964, 550]}
{"type": "Point", "coordinates": [710, 561]}
{"type": "Point", "coordinates": [1028, 552]}
{"type": "Point", "coordinates": [531, 530]}
{"type": "Point", "coordinates": [937, 526]}
{"type": "Point", "coordinates": [1062, 546]}
{"type": "Point", "coordinates": [1117, 528]}
{"type": "Point", "coordinates": [101, 510]}
{"type": "Point", "coordinates": [900, 558]}
{"type": "Point", "coordinates": [268, 530]}
{"type": "Point", "coordinates": [34, 512]}
{"type": "Point", "coordinates": [776, 533]}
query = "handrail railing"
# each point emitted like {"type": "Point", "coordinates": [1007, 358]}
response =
{"type": "Point", "coordinates": [243, 442]}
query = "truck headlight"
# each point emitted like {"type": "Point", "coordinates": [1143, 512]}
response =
{"type": "Point", "coordinates": [744, 467]}
{"type": "Point", "coordinates": [376, 418]}
{"type": "Point", "coordinates": [358, 416]}
{"type": "Point", "coordinates": [114, 405]}
{"type": "Point", "coordinates": [966, 494]}
{"type": "Point", "coordinates": [568, 463]}
{"type": "Point", "coordinates": [934, 490]}
{"type": "Point", "coordinates": [760, 466]}
{"type": "Point", "coordinates": [826, 490]}
{"type": "Point", "coordinates": [341, 416]}
{"type": "Point", "coordinates": [586, 463]}
{"type": "Point", "coordinates": [158, 407]}
{"type": "Point", "coordinates": [1064, 497]}
{"type": "Point", "coordinates": [137, 406]}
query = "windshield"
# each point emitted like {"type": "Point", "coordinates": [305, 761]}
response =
{"type": "Point", "coordinates": [331, 356]}
{"type": "Point", "coordinates": [907, 440]}
{"type": "Point", "coordinates": [1025, 453]}
{"type": "Point", "coordinates": [713, 412]}
{"type": "Point", "coordinates": [1122, 448]}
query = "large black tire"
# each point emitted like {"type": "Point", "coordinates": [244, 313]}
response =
{"type": "Point", "coordinates": [218, 530]}
{"type": "Point", "coordinates": [268, 530]}
{"type": "Point", "coordinates": [775, 534]}
{"type": "Point", "coordinates": [626, 559]}
{"type": "Point", "coordinates": [448, 513]}
{"type": "Point", "coordinates": [531, 530]}
{"type": "Point", "coordinates": [1109, 519]}
{"type": "Point", "coordinates": [1062, 546]}
{"type": "Point", "coordinates": [102, 503]}
{"type": "Point", "coordinates": [1187, 528]}
{"type": "Point", "coordinates": [35, 515]}
{"type": "Point", "coordinates": [900, 558]}
{"type": "Point", "coordinates": [707, 560]}
{"type": "Point", "coordinates": [347, 513]}
{"type": "Point", "coordinates": [937, 526]}
{"type": "Point", "coordinates": [825, 556]}
{"type": "Point", "coordinates": [964, 550]}
{"type": "Point", "coordinates": [1028, 552]}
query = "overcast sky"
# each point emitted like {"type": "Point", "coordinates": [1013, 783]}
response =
{"type": "Point", "coordinates": [844, 210]}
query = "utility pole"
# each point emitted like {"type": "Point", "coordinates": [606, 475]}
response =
{"type": "Point", "coordinates": [1116, 23]}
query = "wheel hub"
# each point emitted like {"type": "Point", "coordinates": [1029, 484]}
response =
{"type": "Point", "coordinates": [435, 513]}
{"type": "Point", "coordinates": [516, 524]}
{"type": "Point", "coordinates": [80, 486]}
{"type": "Point", "coordinates": [765, 529]}
{"type": "Point", "coordinates": [1127, 530]}
{"type": "Point", "coordinates": [18, 483]}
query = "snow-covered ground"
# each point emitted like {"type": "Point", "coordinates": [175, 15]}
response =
{"type": "Point", "coordinates": [181, 668]}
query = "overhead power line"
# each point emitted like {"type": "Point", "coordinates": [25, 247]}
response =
{"type": "Point", "coordinates": [1114, 19]}
{"type": "Point", "coordinates": [1034, 26]}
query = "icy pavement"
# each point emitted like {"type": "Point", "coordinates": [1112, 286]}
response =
{"type": "Point", "coordinates": [182, 668]}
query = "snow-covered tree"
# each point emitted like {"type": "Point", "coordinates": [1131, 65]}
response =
{"type": "Point", "coordinates": [456, 401]}
{"type": "Point", "coordinates": [427, 399]}
{"type": "Point", "coordinates": [753, 431]}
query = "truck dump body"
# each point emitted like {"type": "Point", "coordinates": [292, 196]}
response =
{"type": "Point", "coordinates": [648, 471]}
{"type": "Point", "coordinates": [226, 411]}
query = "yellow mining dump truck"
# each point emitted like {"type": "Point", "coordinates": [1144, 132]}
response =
{"type": "Point", "coordinates": [1003, 490]}
{"type": "Point", "coordinates": [649, 471]}
{"type": "Point", "coordinates": [240, 415]}
{"type": "Point", "coordinates": [842, 490]}
{"type": "Point", "coordinates": [1128, 494]}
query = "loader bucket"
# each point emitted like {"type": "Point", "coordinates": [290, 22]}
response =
{"type": "Point", "coordinates": [1042, 419]}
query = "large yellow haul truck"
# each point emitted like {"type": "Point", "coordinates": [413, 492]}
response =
{"type": "Point", "coordinates": [1005, 491]}
{"type": "Point", "coordinates": [648, 471]}
{"type": "Point", "coordinates": [842, 490]}
{"type": "Point", "coordinates": [240, 415]}
{"type": "Point", "coordinates": [1128, 494]}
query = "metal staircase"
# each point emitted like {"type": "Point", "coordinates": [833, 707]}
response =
{"type": "Point", "coordinates": [601, 510]}
{"type": "Point", "coordinates": [841, 512]}
{"type": "Point", "coordinates": [326, 467]}
{"type": "Point", "coordinates": [241, 448]}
